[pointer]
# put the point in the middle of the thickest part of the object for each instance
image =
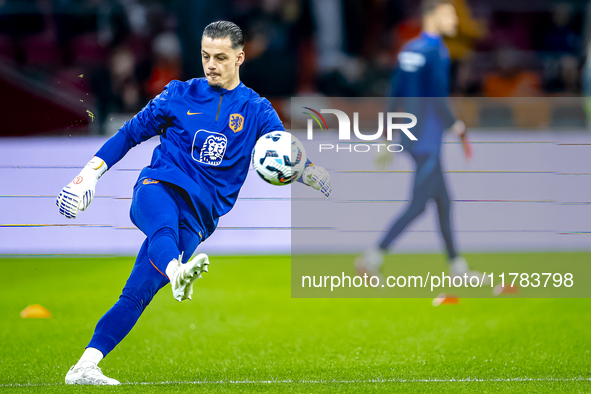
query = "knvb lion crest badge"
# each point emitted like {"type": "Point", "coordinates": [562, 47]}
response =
{"type": "Point", "coordinates": [236, 122]}
{"type": "Point", "coordinates": [209, 147]}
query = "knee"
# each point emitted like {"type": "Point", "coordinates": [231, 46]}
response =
{"type": "Point", "coordinates": [165, 232]}
{"type": "Point", "coordinates": [417, 207]}
{"type": "Point", "coordinates": [138, 294]}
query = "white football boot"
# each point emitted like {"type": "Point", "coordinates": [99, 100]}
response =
{"type": "Point", "coordinates": [182, 275]}
{"type": "Point", "coordinates": [88, 373]}
{"type": "Point", "coordinates": [370, 262]}
{"type": "Point", "coordinates": [459, 267]}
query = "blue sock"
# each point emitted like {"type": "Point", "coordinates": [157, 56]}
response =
{"type": "Point", "coordinates": [163, 248]}
{"type": "Point", "coordinates": [170, 226]}
{"type": "Point", "coordinates": [143, 283]}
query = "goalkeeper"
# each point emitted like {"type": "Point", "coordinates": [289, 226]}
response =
{"type": "Point", "coordinates": [208, 128]}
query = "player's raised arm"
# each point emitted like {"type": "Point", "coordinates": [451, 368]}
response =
{"type": "Point", "coordinates": [150, 121]}
{"type": "Point", "coordinates": [78, 194]}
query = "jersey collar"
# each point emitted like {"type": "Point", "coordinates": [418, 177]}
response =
{"type": "Point", "coordinates": [225, 92]}
{"type": "Point", "coordinates": [431, 36]}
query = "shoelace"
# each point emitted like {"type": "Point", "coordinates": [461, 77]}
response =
{"type": "Point", "coordinates": [92, 368]}
{"type": "Point", "coordinates": [182, 276]}
{"type": "Point", "coordinates": [95, 373]}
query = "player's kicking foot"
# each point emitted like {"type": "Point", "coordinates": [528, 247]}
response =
{"type": "Point", "coordinates": [182, 275]}
{"type": "Point", "coordinates": [88, 373]}
{"type": "Point", "coordinates": [458, 267]}
{"type": "Point", "coordinates": [370, 263]}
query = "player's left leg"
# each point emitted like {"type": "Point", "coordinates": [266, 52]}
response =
{"type": "Point", "coordinates": [144, 281]}
{"type": "Point", "coordinates": [182, 274]}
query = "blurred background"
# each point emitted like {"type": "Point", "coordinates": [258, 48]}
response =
{"type": "Point", "coordinates": [85, 66]}
{"type": "Point", "coordinates": [73, 71]}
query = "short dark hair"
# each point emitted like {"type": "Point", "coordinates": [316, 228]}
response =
{"type": "Point", "coordinates": [428, 6]}
{"type": "Point", "coordinates": [225, 29]}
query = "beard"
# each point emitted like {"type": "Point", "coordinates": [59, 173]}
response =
{"type": "Point", "coordinates": [217, 84]}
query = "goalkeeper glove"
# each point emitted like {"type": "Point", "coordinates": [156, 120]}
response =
{"type": "Point", "coordinates": [384, 159]}
{"type": "Point", "coordinates": [78, 194]}
{"type": "Point", "coordinates": [459, 129]}
{"type": "Point", "coordinates": [318, 178]}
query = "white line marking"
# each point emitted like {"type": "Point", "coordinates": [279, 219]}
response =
{"type": "Point", "coordinates": [203, 382]}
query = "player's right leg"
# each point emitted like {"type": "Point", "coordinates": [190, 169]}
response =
{"type": "Point", "coordinates": [457, 264]}
{"type": "Point", "coordinates": [423, 189]}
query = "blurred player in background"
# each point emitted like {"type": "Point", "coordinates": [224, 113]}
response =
{"type": "Point", "coordinates": [208, 128]}
{"type": "Point", "coordinates": [420, 85]}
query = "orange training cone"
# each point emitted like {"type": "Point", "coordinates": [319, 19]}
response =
{"type": "Point", "coordinates": [498, 290]}
{"type": "Point", "coordinates": [446, 299]}
{"type": "Point", "coordinates": [35, 311]}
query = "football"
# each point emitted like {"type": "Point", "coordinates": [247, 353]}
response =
{"type": "Point", "coordinates": [279, 158]}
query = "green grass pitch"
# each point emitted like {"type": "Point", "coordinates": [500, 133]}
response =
{"type": "Point", "coordinates": [243, 332]}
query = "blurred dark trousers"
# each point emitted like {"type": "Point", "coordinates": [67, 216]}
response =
{"type": "Point", "coordinates": [428, 184]}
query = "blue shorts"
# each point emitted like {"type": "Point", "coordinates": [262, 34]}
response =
{"type": "Point", "coordinates": [158, 204]}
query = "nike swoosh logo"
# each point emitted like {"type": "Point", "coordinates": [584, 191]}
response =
{"type": "Point", "coordinates": [193, 113]}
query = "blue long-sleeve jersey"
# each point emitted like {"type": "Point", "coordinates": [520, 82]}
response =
{"type": "Point", "coordinates": [420, 85]}
{"type": "Point", "coordinates": [206, 138]}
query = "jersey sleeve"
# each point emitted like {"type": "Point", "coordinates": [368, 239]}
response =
{"type": "Point", "coordinates": [152, 120]}
{"type": "Point", "coordinates": [408, 75]}
{"type": "Point", "coordinates": [407, 84]}
{"type": "Point", "coordinates": [268, 120]}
